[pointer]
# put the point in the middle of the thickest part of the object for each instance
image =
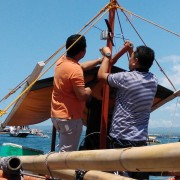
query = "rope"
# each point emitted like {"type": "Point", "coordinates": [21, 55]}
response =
{"type": "Point", "coordinates": [170, 133]}
{"type": "Point", "coordinates": [53, 55]}
{"type": "Point", "coordinates": [46, 162]}
{"type": "Point", "coordinates": [124, 10]}
{"type": "Point", "coordinates": [134, 28]}
{"type": "Point", "coordinates": [15, 89]}
{"type": "Point", "coordinates": [120, 26]}
{"type": "Point", "coordinates": [161, 27]}
{"type": "Point", "coordinates": [13, 102]}
{"type": "Point", "coordinates": [161, 69]}
{"type": "Point", "coordinates": [121, 31]}
{"type": "Point", "coordinates": [56, 52]}
{"type": "Point", "coordinates": [102, 10]}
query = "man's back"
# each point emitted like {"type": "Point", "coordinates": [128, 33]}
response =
{"type": "Point", "coordinates": [135, 94]}
{"type": "Point", "coordinates": [68, 75]}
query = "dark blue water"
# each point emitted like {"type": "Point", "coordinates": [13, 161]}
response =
{"type": "Point", "coordinates": [44, 144]}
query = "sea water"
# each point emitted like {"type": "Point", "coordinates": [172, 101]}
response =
{"type": "Point", "coordinates": [44, 143]}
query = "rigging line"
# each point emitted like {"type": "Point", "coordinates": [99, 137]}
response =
{"type": "Point", "coordinates": [122, 34]}
{"type": "Point", "coordinates": [24, 91]}
{"type": "Point", "coordinates": [55, 53]}
{"type": "Point", "coordinates": [25, 80]}
{"type": "Point", "coordinates": [170, 133]}
{"type": "Point", "coordinates": [165, 74]}
{"type": "Point", "coordinates": [14, 89]}
{"type": "Point", "coordinates": [98, 28]}
{"type": "Point", "coordinates": [146, 45]}
{"type": "Point", "coordinates": [102, 10]}
{"type": "Point", "coordinates": [122, 9]}
{"type": "Point", "coordinates": [121, 30]}
{"type": "Point", "coordinates": [134, 28]}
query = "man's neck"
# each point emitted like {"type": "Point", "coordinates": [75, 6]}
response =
{"type": "Point", "coordinates": [73, 57]}
{"type": "Point", "coordinates": [140, 69]}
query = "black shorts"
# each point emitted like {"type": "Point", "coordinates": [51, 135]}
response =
{"type": "Point", "coordinates": [119, 143]}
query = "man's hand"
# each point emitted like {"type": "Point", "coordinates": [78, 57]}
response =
{"type": "Point", "coordinates": [129, 45]}
{"type": "Point", "coordinates": [105, 51]}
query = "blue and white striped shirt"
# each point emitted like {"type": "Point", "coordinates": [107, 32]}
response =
{"type": "Point", "coordinates": [134, 98]}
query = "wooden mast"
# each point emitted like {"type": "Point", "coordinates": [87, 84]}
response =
{"type": "Point", "coordinates": [105, 100]}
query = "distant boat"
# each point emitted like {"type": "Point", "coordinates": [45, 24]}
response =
{"type": "Point", "coordinates": [19, 131]}
{"type": "Point", "coordinates": [38, 132]}
{"type": "Point", "coordinates": [5, 130]}
{"type": "Point", "coordinates": [35, 131]}
{"type": "Point", "coordinates": [153, 140]}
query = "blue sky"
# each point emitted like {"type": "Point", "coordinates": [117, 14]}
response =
{"type": "Point", "coordinates": [31, 31]}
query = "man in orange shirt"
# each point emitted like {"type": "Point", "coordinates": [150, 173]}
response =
{"type": "Point", "coordinates": [69, 93]}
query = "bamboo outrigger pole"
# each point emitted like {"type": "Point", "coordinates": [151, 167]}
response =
{"type": "Point", "coordinates": [89, 175]}
{"type": "Point", "coordinates": [157, 158]}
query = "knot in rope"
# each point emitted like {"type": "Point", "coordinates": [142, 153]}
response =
{"type": "Point", "coordinates": [2, 112]}
{"type": "Point", "coordinates": [112, 5]}
{"type": "Point", "coordinates": [46, 162]}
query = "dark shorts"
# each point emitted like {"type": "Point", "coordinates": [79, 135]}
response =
{"type": "Point", "coordinates": [118, 143]}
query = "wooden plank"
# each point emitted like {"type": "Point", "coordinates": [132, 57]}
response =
{"type": "Point", "coordinates": [166, 100]}
{"type": "Point", "coordinates": [35, 73]}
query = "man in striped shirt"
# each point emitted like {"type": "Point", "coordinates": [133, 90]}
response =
{"type": "Point", "coordinates": [135, 94]}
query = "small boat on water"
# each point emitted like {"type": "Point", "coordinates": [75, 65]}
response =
{"type": "Point", "coordinates": [39, 133]}
{"type": "Point", "coordinates": [153, 140]}
{"type": "Point", "coordinates": [19, 131]}
{"type": "Point", "coordinates": [5, 130]}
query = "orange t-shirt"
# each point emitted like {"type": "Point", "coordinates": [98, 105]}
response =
{"type": "Point", "coordinates": [68, 76]}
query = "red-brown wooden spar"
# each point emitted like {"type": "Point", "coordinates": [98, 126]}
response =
{"type": "Point", "coordinates": [105, 101]}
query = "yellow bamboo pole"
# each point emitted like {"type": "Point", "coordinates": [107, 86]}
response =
{"type": "Point", "coordinates": [156, 158]}
{"type": "Point", "coordinates": [89, 175]}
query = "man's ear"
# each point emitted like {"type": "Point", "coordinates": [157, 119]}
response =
{"type": "Point", "coordinates": [135, 60]}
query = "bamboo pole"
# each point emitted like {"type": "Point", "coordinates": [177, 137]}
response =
{"type": "Point", "coordinates": [157, 158]}
{"type": "Point", "coordinates": [89, 175]}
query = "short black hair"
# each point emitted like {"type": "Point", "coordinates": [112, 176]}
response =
{"type": "Point", "coordinates": [79, 46]}
{"type": "Point", "coordinates": [145, 56]}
